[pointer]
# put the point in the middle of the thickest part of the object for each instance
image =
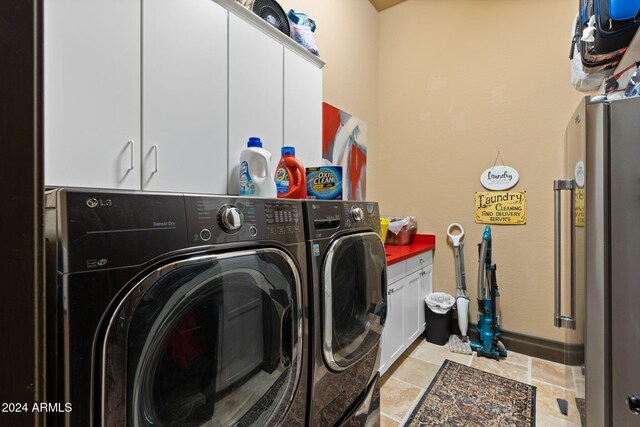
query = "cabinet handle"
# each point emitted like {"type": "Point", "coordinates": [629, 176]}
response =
{"type": "Point", "coordinates": [390, 291]}
{"type": "Point", "coordinates": [155, 150]}
{"type": "Point", "coordinates": [130, 144]}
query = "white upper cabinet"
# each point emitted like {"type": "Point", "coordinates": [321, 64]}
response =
{"type": "Point", "coordinates": [184, 102]}
{"type": "Point", "coordinates": [162, 95]}
{"type": "Point", "coordinates": [92, 93]}
{"type": "Point", "coordinates": [303, 108]}
{"type": "Point", "coordinates": [255, 93]}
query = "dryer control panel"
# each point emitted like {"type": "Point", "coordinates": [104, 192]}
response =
{"type": "Point", "coordinates": [324, 218]}
{"type": "Point", "coordinates": [361, 214]}
{"type": "Point", "coordinates": [219, 219]}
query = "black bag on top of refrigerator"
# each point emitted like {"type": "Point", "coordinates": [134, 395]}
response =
{"type": "Point", "coordinates": [616, 23]}
{"type": "Point", "coordinates": [583, 78]}
{"type": "Point", "coordinates": [603, 32]}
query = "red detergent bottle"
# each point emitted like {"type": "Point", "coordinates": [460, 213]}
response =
{"type": "Point", "coordinates": [291, 182]}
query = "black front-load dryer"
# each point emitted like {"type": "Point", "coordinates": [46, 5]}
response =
{"type": "Point", "coordinates": [347, 291]}
{"type": "Point", "coordinates": [175, 310]}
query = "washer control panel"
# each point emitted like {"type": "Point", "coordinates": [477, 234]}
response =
{"type": "Point", "coordinates": [281, 213]}
{"type": "Point", "coordinates": [230, 218]}
{"type": "Point", "coordinates": [219, 219]}
{"type": "Point", "coordinates": [282, 217]}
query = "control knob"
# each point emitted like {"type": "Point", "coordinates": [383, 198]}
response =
{"type": "Point", "coordinates": [230, 218]}
{"type": "Point", "coordinates": [357, 214]}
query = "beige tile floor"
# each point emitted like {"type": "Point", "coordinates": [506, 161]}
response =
{"type": "Point", "coordinates": [405, 382]}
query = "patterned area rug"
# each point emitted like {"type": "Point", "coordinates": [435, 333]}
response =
{"type": "Point", "coordinates": [463, 396]}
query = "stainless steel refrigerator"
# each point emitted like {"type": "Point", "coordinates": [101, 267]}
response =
{"type": "Point", "coordinates": [597, 250]}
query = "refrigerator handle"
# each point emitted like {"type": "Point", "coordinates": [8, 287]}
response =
{"type": "Point", "coordinates": [559, 320]}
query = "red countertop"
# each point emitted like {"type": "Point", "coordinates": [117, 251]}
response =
{"type": "Point", "coordinates": [421, 243]}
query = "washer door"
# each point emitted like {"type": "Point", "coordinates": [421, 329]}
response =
{"type": "Point", "coordinates": [354, 286]}
{"type": "Point", "coordinates": [213, 340]}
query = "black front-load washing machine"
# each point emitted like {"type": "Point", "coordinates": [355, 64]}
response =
{"type": "Point", "coordinates": [348, 296]}
{"type": "Point", "coordinates": [175, 310]}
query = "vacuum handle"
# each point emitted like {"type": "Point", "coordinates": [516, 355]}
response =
{"type": "Point", "coordinates": [482, 272]}
{"type": "Point", "coordinates": [559, 320]}
{"type": "Point", "coordinates": [455, 238]}
{"type": "Point", "coordinates": [463, 279]}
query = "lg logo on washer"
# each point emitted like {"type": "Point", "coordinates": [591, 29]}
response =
{"type": "Point", "coordinates": [94, 203]}
{"type": "Point", "coordinates": [94, 263]}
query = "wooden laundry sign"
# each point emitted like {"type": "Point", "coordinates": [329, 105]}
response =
{"type": "Point", "coordinates": [501, 207]}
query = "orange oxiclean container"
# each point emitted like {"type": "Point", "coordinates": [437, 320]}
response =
{"type": "Point", "coordinates": [290, 176]}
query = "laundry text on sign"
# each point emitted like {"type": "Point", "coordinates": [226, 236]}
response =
{"type": "Point", "coordinates": [503, 207]}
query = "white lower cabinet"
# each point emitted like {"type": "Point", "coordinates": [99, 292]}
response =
{"type": "Point", "coordinates": [426, 287]}
{"type": "Point", "coordinates": [409, 283]}
{"type": "Point", "coordinates": [393, 342]}
{"type": "Point", "coordinates": [413, 307]}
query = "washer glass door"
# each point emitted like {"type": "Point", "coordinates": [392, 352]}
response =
{"type": "Point", "coordinates": [354, 286]}
{"type": "Point", "coordinates": [213, 340]}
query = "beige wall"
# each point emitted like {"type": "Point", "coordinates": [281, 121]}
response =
{"type": "Point", "coordinates": [444, 85]}
{"type": "Point", "coordinates": [347, 37]}
{"type": "Point", "coordinates": [458, 82]}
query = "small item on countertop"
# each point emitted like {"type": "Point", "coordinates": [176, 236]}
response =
{"type": "Point", "coordinates": [401, 230]}
{"type": "Point", "coordinates": [302, 28]}
{"type": "Point", "coordinates": [291, 181]}
{"type": "Point", "coordinates": [324, 183]}
{"type": "Point", "coordinates": [384, 227]}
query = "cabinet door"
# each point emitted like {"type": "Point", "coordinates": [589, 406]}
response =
{"type": "Point", "coordinates": [393, 343]}
{"type": "Point", "coordinates": [92, 93]}
{"type": "Point", "coordinates": [426, 287]}
{"type": "Point", "coordinates": [255, 93]}
{"type": "Point", "coordinates": [412, 307]}
{"type": "Point", "coordinates": [184, 96]}
{"type": "Point", "coordinates": [303, 108]}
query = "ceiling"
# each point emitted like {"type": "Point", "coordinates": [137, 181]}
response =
{"type": "Point", "coordinates": [384, 4]}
